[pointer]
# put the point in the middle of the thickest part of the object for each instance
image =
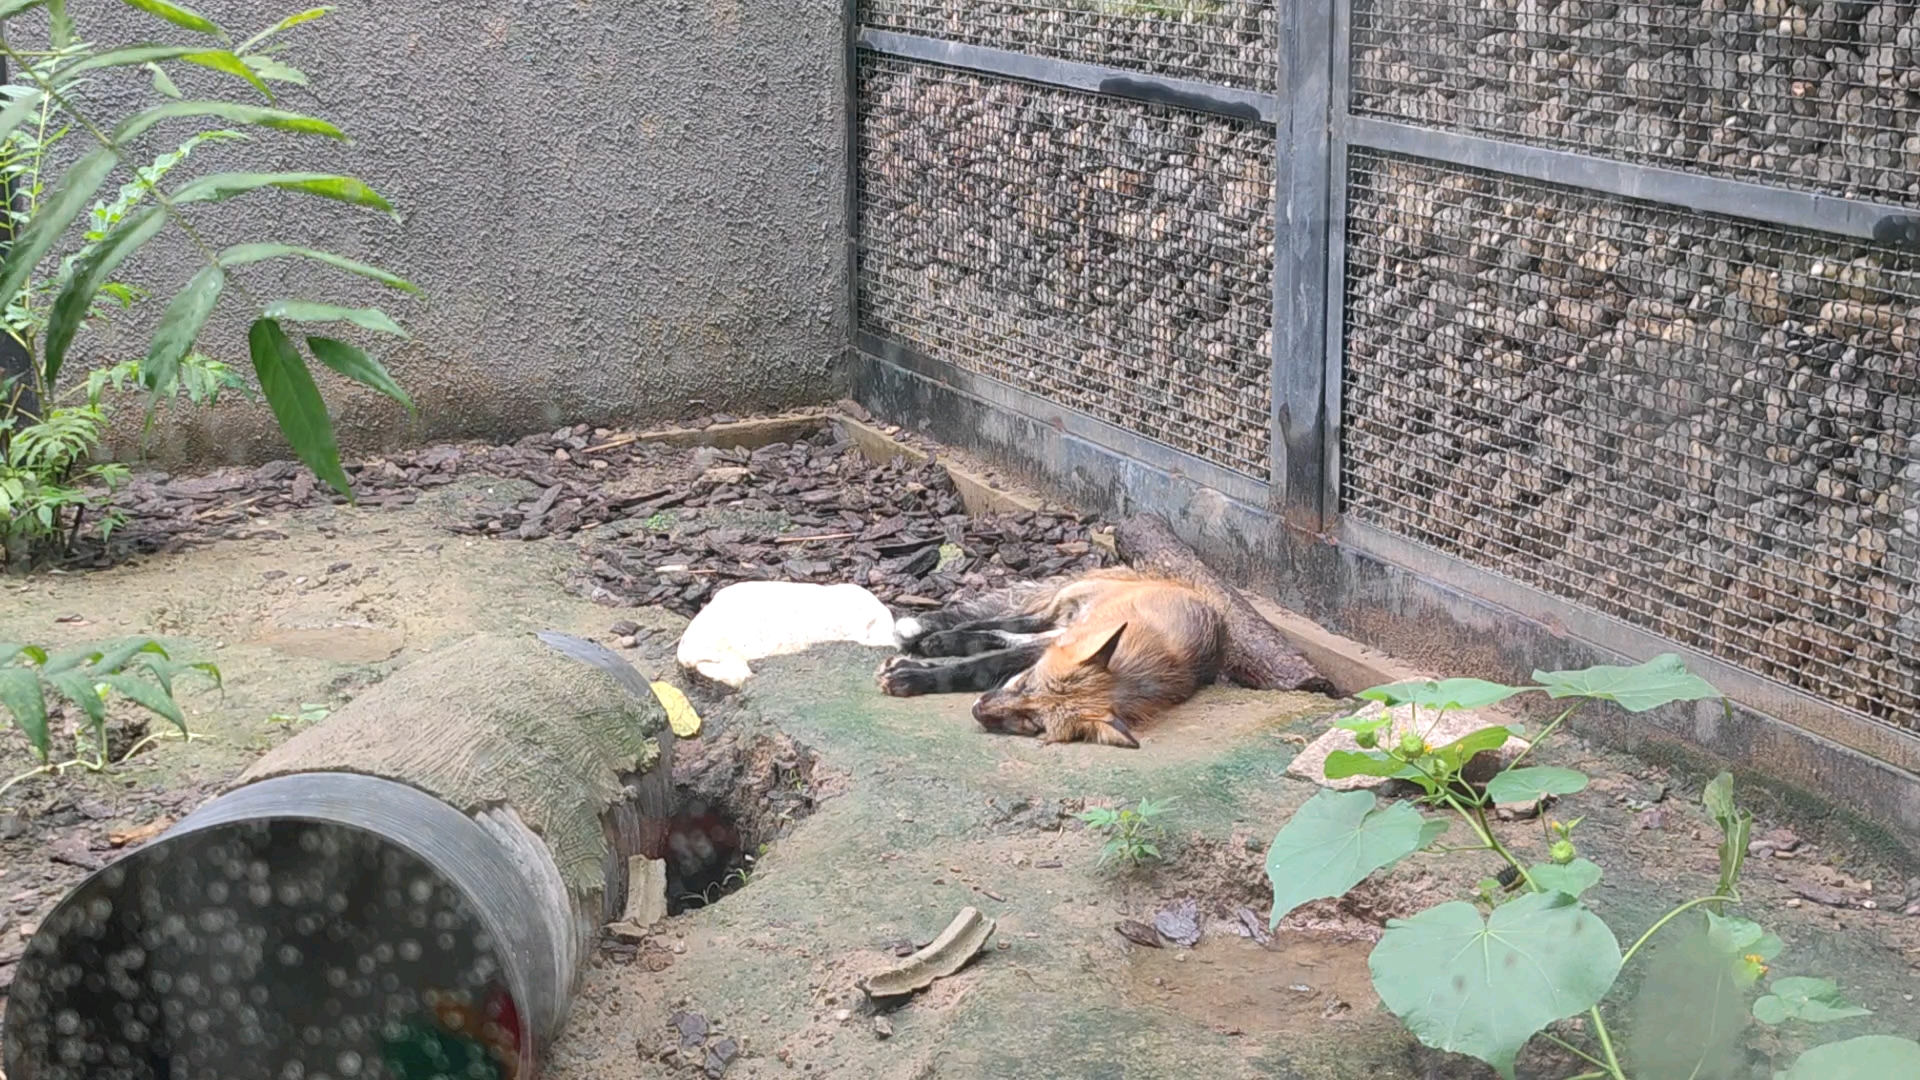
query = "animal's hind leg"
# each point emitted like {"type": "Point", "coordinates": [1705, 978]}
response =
{"type": "Point", "coordinates": [984, 636]}
{"type": "Point", "coordinates": [910, 631]}
{"type": "Point", "coordinates": [904, 676]}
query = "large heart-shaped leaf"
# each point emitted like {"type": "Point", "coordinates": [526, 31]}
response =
{"type": "Point", "coordinates": [1457, 753]}
{"type": "Point", "coordinates": [1443, 693]}
{"type": "Point", "coordinates": [1533, 784]}
{"type": "Point", "coordinates": [1335, 840]}
{"type": "Point", "coordinates": [1573, 879]}
{"type": "Point", "coordinates": [1660, 681]}
{"type": "Point", "coordinates": [1816, 1001]}
{"type": "Point", "coordinates": [1344, 763]}
{"type": "Point", "coordinates": [1870, 1057]}
{"type": "Point", "coordinates": [1484, 986]}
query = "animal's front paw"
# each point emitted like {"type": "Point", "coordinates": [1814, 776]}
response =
{"type": "Point", "coordinates": [903, 676]}
{"type": "Point", "coordinates": [946, 643]}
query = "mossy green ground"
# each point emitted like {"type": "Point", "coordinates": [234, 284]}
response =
{"type": "Point", "coordinates": [915, 789]}
{"type": "Point", "coordinates": [913, 828]}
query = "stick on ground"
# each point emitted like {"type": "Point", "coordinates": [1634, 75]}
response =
{"type": "Point", "coordinates": [1258, 657]}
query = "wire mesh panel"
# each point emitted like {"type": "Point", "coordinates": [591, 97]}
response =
{"type": "Point", "coordinates": [1813, 96]}
{"type": "Point", "coordinates": [1705, 428]}
{"type": "Point", "coordinates": [1110, 257]}
{"type": "Point", "coordinates": [1227, 42]}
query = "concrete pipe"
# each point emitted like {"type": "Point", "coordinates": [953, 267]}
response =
{"type": "Point", "coordinates": [408, 890]}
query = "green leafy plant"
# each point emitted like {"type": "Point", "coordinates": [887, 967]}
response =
{"type": "Point", "coordinates": [90, 678]}
{"type": "Point", "coordinates": [1486, 976]}
{"type": "Point", "coordinates": [1131, 831]}
{"type": "Point", "coordinates": [67, 242]}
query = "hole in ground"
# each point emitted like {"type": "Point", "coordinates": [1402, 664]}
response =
{"type": "Point", "coordinates": [732, 796]}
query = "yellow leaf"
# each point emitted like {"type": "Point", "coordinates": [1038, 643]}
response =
{"type": "Point", "coordinates": [680, 714]}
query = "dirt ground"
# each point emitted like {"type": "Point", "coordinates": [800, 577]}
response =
{"type": "Point", "coordinates": [915, 814]}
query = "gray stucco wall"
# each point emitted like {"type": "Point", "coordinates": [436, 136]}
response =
{"type": "Point", "coordinates": [617, 212]}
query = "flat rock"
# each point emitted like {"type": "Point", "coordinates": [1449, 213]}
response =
{"type": "Point", "coordinates": [1311, 762]}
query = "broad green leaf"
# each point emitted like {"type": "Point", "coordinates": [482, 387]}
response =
{"type": "Point", "coordinates": [1443, 694]}
{"type": "Point", "coordinates": [1457, 753]}
{"type": "Point", "coordinates": [1335, 840]}
{"type": "Point", "coordinates": [163, 82]}
{"type": "Point", "coordinates": [1484, 987]}
{"type": "Point", "coordinates": [1816, 1001]}
{"type": "Point", "coordinates": [241, 254]}
{"type": "Point", "coordinates": [1573, 879]}
{"type": "Point", "coordinates": [1660, 681]}
{"type": "Point", "coordinates": [178, 16]}
{"type": "Point", "coordinates": [135, 56]}
{"type": "Point", "coordinates": [147, 696]}
{"type": "Point", "coordinates": [1736, 826]}
{"type": "Point", "coordinates": [78, 687]}
{"type": "Point", "coordinates": [70, 308]}
{"type": "Point", "coordinates": [10, 8]}
{"type": "Point", "coordinates": [1534, 783]}
{"type": "Point", "coordinates": [1870, 1057]}
{"type": "Point", "coordinates": [20, 694]}
{"type": "Point", "coordinates": [9, 650]}
{"type": "Point", "coordinates": [1359, 724]}
{"type": "Point", "coordinates": [232, 112]}
{"type": "Point", "coordinates": [223, 61]}
{"type": "Point", "coordinates": [1718, 798]}
{"type": "Point", "coordinates": [112, 660]}
{"type": "Point", "coordinates": [274, 70]}
{"type": "Point", "coordinates": [307, 311]}
{"type": "Point", "coordinates": [19, 111]}
{"type": "Point", "coordinates": [296, 403]}
{"type": "Point", "coordinates": [211, 672]}
{"type": "Point", "coordinates": [1344, 763]}
{"type": "Point", "coordinates": [180, 327]}
{"type": "Point", "coordinates": [56, 211]}
{"type": "Point", "coordinates": [355, 364]}
{"type": "Point", "coordinates": [69, 659]}
{"type": "Point", "coordinates": [287, 23]}
{"type": "Point", "coordinates": [1742, 940]}
{"type": "Point", "coordinates": [220, 187]}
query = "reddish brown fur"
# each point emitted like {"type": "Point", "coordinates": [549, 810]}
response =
{"type": "Point", "coordinates": [1130, 648]}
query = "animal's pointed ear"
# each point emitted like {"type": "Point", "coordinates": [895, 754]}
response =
{"type": "Point", "coordinates": [1097, 651]}
{"type": "Point", "coordinates": [1113, 731]}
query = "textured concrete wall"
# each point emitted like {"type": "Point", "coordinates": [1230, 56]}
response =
{"type": "Point", "coordinates": [615, 210]}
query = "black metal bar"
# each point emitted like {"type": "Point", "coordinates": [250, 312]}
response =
{"type": "Point", "coordinates": [1032, 407]}
{"type": "Point", "coordinates": [1301, 175]}
{"type": "Point", "coordinates": [850, 62]}
{"type": "Point", "coordinates": [1691, 191]}
{"type": "Point", "coordinates": [1248, 105]}
{"type": "Point", "coordinates": [1333, 339]}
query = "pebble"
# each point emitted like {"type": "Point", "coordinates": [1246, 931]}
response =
{"type": "Point", "coordinates": [882, 1028]}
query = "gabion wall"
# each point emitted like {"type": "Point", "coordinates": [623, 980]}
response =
{"type": "Point", "coordinates": [1708, 429]}
{"type": "Point", "coordinates": [1822, 96]}
{"type": "Point", "coordinates": [1111, 257]}
{"type": "Point", "coordinates": [1225, 42]}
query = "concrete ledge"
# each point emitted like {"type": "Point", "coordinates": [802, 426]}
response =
{"type": "Point", "coordinates": [1356, 611]}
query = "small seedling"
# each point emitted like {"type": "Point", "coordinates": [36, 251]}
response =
{"type": "Point", "coordinates": [89, 678]}
{"type": "Point", "coordinates": [1131, 830]}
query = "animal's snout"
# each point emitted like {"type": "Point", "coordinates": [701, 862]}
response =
{"type": "Point", "coordinates": [983, 716]}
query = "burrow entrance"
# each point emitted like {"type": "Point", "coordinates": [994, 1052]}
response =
{"type": "Point", "coordinates": [732, 796]}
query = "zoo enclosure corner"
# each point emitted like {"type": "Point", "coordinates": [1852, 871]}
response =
{"type": "Point", "coordinates": [1604, 314]}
